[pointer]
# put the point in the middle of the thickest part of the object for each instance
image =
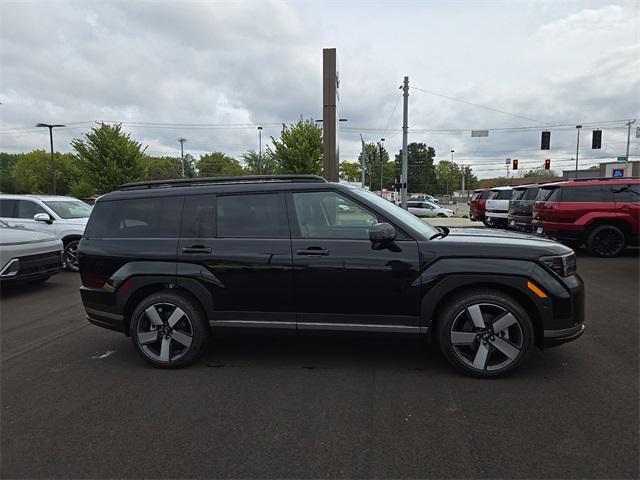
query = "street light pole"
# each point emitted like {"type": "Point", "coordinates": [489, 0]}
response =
{"type": "Point", "coordinates": [362, 160]}
{"type": "Point", "coordinates": [182, 140]}
{"type": "Point", "coordinates": [626, 169]}
{"type": "Point", "coordinates": [260, 154]}
{"type": "Point", "coordinates": [53, 158]}
{"type": "Point", "coordinates": [381, 163]}
{"type": "Point", "coordinates": [578, 127]}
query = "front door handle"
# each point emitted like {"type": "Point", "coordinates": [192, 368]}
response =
{"type": "Point", "coordinates": [196, 249]}
{"type": "Point", "coordinates": [313, 251]}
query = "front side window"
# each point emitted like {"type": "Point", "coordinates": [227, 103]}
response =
{"type": "Point", "coordinates": [319, 216]}
{"type": "Point", "coordinates": [70, 208]}
{"type": "Point", "coordinates": [252, 216]}
{"type": "Point", "coordinates": [28, 208]}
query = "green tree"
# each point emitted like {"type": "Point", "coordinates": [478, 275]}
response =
{"type": "Point", "coordinates": [32, 172]}
{"type": "Point", "coordinates": [299, 148]}
{"type": "Point", "coordinates": [449, 177]}
{"type": "Point", "coordinates": [540, 172]}
{"type": "Point", "coordinates": [217, 164]}
{"type": "Point", "coordinates": [162, 168]}
{"type": "Point", "coordinates": [259, 165]}
{"type": "Point", "coordinates": [108, 157]}
{"type": "Point", "coordinates": [376, 163]}
{"type": "Point", "coordinates": [420, 169]}
{"type": "Point", "coordinates": [350, 171]}
{"type": "Point", "coordinates": [7, 164]}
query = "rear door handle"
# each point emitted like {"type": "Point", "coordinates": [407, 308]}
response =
{"type": "Point", "coordinates": [313, 251]}
{"type": "Point", "coordinates": [196, 249]}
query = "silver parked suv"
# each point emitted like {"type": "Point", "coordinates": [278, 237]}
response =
{"type": "Point", "coordinates": [63, 217]}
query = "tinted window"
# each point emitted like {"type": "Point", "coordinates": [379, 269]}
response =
{"type": "Point", "coordinates": [531, 194]}
{"type": "Point", "coordinates": [261, 215]}
{"type": "Point", "coordinates": [319, 216]}
{"type": "Point", "coordinates": [500, 194]}
{"type": "Point", "coordinates": [136, 218]}
{"type": "Point", "coordinates": [484, 195]}
{"type": "Point", "coordinates": [518, 194]}
{"type": "Point", "coordinates": [626, 193]}
{"type": "Point", "coordinates": [590, 193]}
{"type": "Point", "coordinates": [198, 216]}
{"type": "Point", "coordinates": [551, 194]}
{"type": "Point", "coordinates": [28, 208]}
{"type": "Point", "coordinates": [8, 208]}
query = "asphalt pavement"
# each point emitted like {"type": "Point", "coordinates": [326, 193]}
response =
{"type": "Point", "coordinates": [77, 401]}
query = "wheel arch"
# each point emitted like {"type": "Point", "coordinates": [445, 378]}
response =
{"type": "Point", "coordinates": [69, 237]}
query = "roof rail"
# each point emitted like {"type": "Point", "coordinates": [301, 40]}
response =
{"type": "Point", "coordinates": [199, 181]}
{"type": "Point", "coordinates": [600, 179]}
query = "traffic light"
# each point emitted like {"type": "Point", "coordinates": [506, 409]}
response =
{"type": "Point", "coordinates": [515, 164]}
{"type": "Point", "coordinates": [546, 141]}
{"type": "Point", "coordinates": [547, 164]}
{"type": "Point", "coordinates": [596, 139]}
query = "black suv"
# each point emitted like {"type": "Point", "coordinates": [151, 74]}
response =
{"type": "Point", "coordinates": [163, 261]}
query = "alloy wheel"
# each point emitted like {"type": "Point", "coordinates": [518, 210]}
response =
{"type": "Point", "coordinates": [71, 256]}
{"type": "Point", "coordinates": [607, 242]}
{"type": "Point", "coordinates": [164, 332]}
{"type": "Point", "coordinates": [486, 336]}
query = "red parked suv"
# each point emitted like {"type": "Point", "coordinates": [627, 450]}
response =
{"type": "Point", "coordinates": [477, 204]}
{"type": "Point", "coordinates": [602, 214]}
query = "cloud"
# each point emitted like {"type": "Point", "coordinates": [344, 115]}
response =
{"type": "Point", "coordinates": [250, 62]}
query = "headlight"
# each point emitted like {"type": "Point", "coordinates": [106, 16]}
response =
{"type": "Point", "coordinates": [563, 265]}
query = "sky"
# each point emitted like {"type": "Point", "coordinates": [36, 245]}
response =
{"type": "Point", "coordinates": [212, 72]}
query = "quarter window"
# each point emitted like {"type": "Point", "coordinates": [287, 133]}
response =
{"type": "Point", "coordinates": [321, 215]}
{"type": "Point", "coordinates": [626, 193]}
{"type": "Point", "coordinates": [591, 193]}
{"type": "Point", "coordinates": [261, 215]}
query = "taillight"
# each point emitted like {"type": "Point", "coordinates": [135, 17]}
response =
{"type": "Point", "coordinates": [92, 280]}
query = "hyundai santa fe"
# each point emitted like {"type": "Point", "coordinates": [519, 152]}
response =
{"type": "Point", "coordinates": [164, 261]}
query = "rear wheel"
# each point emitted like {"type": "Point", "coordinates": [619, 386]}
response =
{"type": "Point", "coordinates": [442, 215]}
{"type": "Point", "coordinates": [485, 333]}
{"type": "Point", "coordinates": [606, 241]}
{"type": "Point", "coordinates": [169, 329]}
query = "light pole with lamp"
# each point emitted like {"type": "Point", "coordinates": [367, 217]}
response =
{"type": "Point", "coordinates": [380, 147]}
{"type": "Point", "coordinates": [578, 127]}
{"type": "Point", "coordinates": [260, 150]}
{"type": "Point", "coordinates": [53, 159]}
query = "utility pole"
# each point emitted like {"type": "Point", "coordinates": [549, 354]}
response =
{"type": "Point", "coordinates": [578, 127]}
{"type": "Point", "coordinates": [260, 154]}
{"type": "Point", "coordinates": [362, 160]}
{"type": "Point", "coordinates": [381, 163]}
{"type": "Point", "coordinates": [53, 158]}
{"type": "Point", "coordinates": [627, 169]}
{"type": "Point", "coordinates": [405, 132]}
{"type": "Point", "coordinates": [182, 140]}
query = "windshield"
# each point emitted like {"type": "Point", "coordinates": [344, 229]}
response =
{"type": "Point", "coordinates": [500, 194]}
{"type": "Point", "coordinates": [548, 194]}
{"type": "Point", "coordinates": [397, 213]}
{"type": "Point", "coordinates": [69, 208]}
{"type": "Point", "coordinates": [518, 194]}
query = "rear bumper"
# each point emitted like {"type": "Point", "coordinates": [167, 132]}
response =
{"type": "Point", "coordinates": [102, 310]}
{"type": "Point", "coordinates": [566, 232]}
{"type": "Point", "coordinates": [520, 222]}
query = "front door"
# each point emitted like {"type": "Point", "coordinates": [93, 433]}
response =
{"type": "Point", "coordinates": [19, 213]}
{"type": "Point", "coordinates": [239, 247]}
{"type": "Point", "coordinates": [339, 280]}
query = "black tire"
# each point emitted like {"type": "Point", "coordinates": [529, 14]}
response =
{"type": "Point", "coordinates": [455, 320]}
{"type": "Point", "coordinates": [192, 326]}
{"type": "Point", "coordinates": [442, 215]}
{"type": "Point", "coordinates": [606, 241]}
{"type": "Point", "coordinates": [71, 255]}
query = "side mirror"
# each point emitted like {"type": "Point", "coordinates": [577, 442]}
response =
{"type": "Point", "coordinates": [381, 235]}
{"type": "Point", "coordinates": [43, 217]}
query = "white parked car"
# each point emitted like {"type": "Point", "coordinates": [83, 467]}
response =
{"type": "Point", "coordinates": [28, 256]}
{"type": "Point", "coordinates": [497, 207]}
{"type": "Point", "coordinates": [422, 208]}
{"type": "Point", "coordinates": [428, 198]}
{"type": "Point", "coordinates": [63, 217]}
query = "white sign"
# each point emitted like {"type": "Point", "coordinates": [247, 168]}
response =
{"type": "Point", "coordinates": [479, 133]}
{"type": "Point", "coordinates": [507, 161]}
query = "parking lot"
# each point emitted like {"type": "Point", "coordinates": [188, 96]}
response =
{"type": "Point", "coordinates": [77, 401]}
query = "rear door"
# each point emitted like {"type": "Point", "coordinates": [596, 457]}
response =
{"type": "Point", "coordinates": [627, 199]}
{"type": "Point", "coordinates": [339, 281]}
{"type": "Point", "coordinates": [239, 247]}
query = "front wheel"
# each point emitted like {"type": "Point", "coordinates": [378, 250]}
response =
{"type": "Point", "coordinates": [484, 333]}
{"type": "Point", "coordinates": [71, 255]}
{"type": "Point", "coordinates": [169, 329]}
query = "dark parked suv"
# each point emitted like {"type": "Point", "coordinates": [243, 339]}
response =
{"type": "Point", "coordinates": [521, 207]}
{"type": "Point", "coordinates": [163, 261]}
{"type": "Point", "coordinates": [603, 214]}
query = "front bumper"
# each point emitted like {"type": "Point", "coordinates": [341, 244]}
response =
{"type": "Point", "coordinates": [553, 338]}
{"type": "Point", "coordinates": [34, 267]}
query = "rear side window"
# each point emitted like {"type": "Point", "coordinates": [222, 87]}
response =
{"type": "Point", "coordinates": [260, 215]}
{"type": "Point", "coordinates": [589, 193]}
{"type": "Point", "coordinates": [8, 208]}
{"type": "Point", "coordinates": [548, 195]}
{"type": "Point", "coordinates": [136, 218]}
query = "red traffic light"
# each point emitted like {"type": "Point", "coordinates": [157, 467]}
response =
{"type": "Point", "coordinates": [515, 163]}
{"type": "Point", "coordinates": [547, 164]}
